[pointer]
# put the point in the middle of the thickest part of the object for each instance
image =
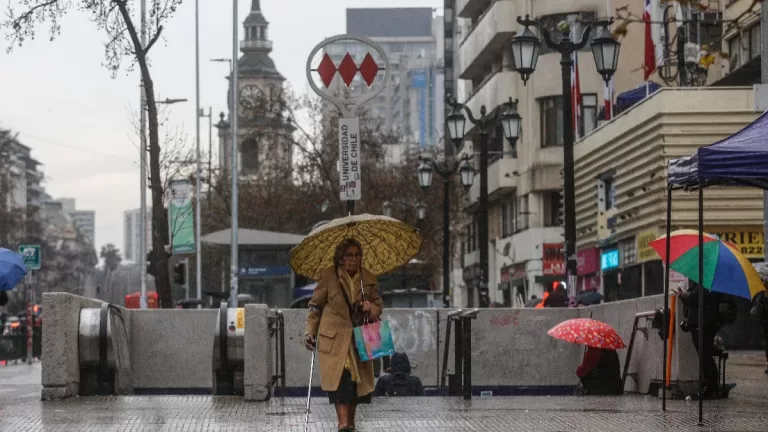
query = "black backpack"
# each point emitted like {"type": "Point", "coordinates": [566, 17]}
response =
{"type": "Point", "coordinates": [402, 385]}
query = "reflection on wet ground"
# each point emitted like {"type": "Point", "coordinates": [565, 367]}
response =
{"type": "Point", "coordinates": [744, 411]}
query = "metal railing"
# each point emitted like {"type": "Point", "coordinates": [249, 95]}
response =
{"type": "Point", "coordinates": [461, 380]}
{"type": "Point", "coordinates": [277, 331]}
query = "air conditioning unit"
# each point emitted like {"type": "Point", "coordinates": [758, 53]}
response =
{"type": "Point", "coordinates": [692, 53]}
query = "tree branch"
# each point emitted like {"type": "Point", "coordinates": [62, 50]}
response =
{"type": "Point", "coordinates": [153, 40]}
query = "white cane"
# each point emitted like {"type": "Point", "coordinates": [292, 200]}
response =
{"type": "Point", "coordinates": [309, 390]}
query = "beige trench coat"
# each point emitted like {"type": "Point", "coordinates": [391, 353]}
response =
{"type": "Point", "coordinates": [329, 320]}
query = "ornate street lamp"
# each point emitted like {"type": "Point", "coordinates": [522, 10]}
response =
{"type": "Point", "coordinates": [387, 207]}
{"type": "Point", "coordinates": [525, 52]}
{"type": "Point", "coordinates": [512, 123]}
{"type": "Point", "coordinates": [606, 49]}
{"type": "Point", "coordinates": [421, 211]}
{"type": "Point", "coordinates": [467, 174]}
{"type": "Point", "coordinates": [606, 52]}
{"type": "Point", "coordinates": [456, 123]}
{"type": "Point", "coordinates": [425, 175]}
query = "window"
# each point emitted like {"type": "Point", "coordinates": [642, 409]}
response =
{"type": "Point", "coordinates": [552, 125]}
{"type": "Point", "coordinates": [250, 156]}
{"type": "Point", "coordinates": [522, 213]}
{"type": "Point", "coordinates": [551, 121]}
{"type": "Point", "coordinates": [606, 191]}
{"type": "Point", "coordinates": [610, 193]}
{"type": "Point", "coordinates": [588, 113]}
{"type": "Point", "coordinates": [552, 204]}
{"type": "Point", "coordinates": [628, 252]}
{"type": "Point", "coordinates": [734, 50]}
{"type": "Point", "coordinates": [754, 42]}
{"type": "Point", "coordinates": [550, 22]}
{"type": "Point", "coordinates": [508, 217]}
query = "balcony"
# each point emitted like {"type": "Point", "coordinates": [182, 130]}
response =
{"type": "Point", "coordinates": [469, 8]}
{"type": "Point", "coordinates": [492, 93]}
{"type": "Point", "coordinates": [255, 44]}
{"type": "Point", "coordinates": [492, 33]}
{"type": "Point", "coordinates": [502, 178]}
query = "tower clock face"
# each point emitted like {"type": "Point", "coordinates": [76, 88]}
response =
{"type": "Point", "coordinates": [250, 92]}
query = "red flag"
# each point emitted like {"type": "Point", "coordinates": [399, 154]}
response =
{"type": "Point", "coordinates": [650, 49]}
{"type": "Point", "coordinates": [608, 98]}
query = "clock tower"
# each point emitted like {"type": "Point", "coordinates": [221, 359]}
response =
{"type": "Point", "coordinates": [262, 125]}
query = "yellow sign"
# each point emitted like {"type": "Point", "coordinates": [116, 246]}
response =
{"type": "Point", "coordinates": [645, 252]}
{"type": "Point", "coordinates": [240, 320]}
{"type": "Point", "coordinates": [749, 241]}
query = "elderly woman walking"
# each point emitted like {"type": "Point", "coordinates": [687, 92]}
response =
{"type": "Point", "coordinates": [346, 295]}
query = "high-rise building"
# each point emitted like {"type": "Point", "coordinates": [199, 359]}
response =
{"type": "Point", "coordinates": [83, 220]}
{"type": "Point", "coordinates": [131, 233]}
{"type": "Point", "coordinates": [411, 105]}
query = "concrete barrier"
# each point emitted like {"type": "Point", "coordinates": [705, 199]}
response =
{"type": "Point", "coordinates": [171, 349]}
{"type": "Point", "coordinates": [61, 366]}
{"type": "Point", "coordinates": [258, 355]}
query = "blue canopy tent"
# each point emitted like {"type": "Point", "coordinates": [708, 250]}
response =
{"type": "Point", "coordinates": [627, 99]}
{"type": "Point", "coordinates": [739, 160]}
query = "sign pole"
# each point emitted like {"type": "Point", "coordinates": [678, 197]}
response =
{"type": "Point", "coordinates": [30, 320]}
{"type": "Point", "coordinates": [350, 161]}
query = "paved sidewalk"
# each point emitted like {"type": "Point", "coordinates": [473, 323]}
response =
{"type": "Point", "coordinates": [745, 411]}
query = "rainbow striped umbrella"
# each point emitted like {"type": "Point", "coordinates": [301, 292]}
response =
{"type": "Point", "coordinates": [726, 270]}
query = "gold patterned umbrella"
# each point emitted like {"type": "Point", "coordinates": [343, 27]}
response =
{"type": "Point", "coordinates": [387, 244]}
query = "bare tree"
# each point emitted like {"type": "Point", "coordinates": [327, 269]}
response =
{"type": "Point", "coordinates": [116, 19]}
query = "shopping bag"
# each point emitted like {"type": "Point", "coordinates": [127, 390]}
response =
{"type": "Point", "coordinates": [374, 340]}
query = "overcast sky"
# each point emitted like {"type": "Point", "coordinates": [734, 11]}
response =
{"type": "Point", "coordinates": [77, 119]}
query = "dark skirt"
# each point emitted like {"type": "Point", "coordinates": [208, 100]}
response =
{"type": "Point", "coordinates": [346, 394]}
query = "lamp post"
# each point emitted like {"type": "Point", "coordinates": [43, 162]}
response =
{"type": "Point", "coordinates": [446, 170]}
{"type": "Point", "coordinates": [511, 123]}
{"type": "Point", "coordinates": [419, 208]}
{"type": "Point", "coordinates": [605, 49]}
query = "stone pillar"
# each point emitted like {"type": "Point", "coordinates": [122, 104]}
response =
{"type": "Point", "coordinates": [258, 353]}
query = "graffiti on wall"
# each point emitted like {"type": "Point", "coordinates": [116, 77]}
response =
{"type": "Point", "coordinates": [414, 333]}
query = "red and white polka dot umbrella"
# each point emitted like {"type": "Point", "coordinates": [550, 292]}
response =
{"type": "Point", "coordinates": [585, 331]}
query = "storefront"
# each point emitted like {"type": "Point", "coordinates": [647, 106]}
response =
{"type": "Point", "coordinates": [588, 269]}
{"type": "Point", "coordinates": [611, 273]}
{"type": "Point", "coordinates": [552, 265]}
{"type": "Point", "coordinates": [748, 240]}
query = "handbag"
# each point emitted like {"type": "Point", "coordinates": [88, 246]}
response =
{"type": "Point", "coordinates": [372, 339]}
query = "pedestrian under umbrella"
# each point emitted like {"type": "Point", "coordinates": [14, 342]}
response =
{"type": "Point", "coordinates": [600, 370]}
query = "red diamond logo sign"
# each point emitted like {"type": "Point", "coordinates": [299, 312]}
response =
{"type": "Point", "coordinates": [326, 70]}
{"type": "Point", "coordinates": [347, 69]}
{"type": "Point", "coordinates": [369, 69]}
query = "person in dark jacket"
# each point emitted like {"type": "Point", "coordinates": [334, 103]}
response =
{"type": "Point", "coordinates": [759, 312]}
{"type": "Point", "coordinates": [714, 319]}
{"type": "Point", "coordinates": [558, 298]}
{"type": "Point", "coordinates": [399, 381]}
{"type": "Point", "coordinates": [600, 372]}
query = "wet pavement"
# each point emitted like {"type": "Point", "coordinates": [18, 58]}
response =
{"type": "Point", "coordinates": [744, 411]}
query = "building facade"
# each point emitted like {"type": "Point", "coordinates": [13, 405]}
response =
{"type": "Point", "coordinates": [263, 129]}
{"type": "Point", "coordinates": [621, 192]}
{"type": "Point", "coordinates": [131, 233]}
{"type": "Point", "coordinates": [83, 220]}
{"type": "Point", "coordinates": [525, 185]}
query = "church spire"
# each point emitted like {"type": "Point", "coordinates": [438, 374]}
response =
{"type": "Point", "coordinates": [256, 27]}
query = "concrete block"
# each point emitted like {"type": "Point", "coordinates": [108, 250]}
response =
{"type": "Point", "coordinates": [296, 355]}
{"type": "Point", "coordinates": [511, 347]}
{"type": "Point", "coordinates": [60, 363]}
{"type": "Point", "coordinates": [415, 332]}
{"type": "Point", "coordinates": [258, 367]}
{"type": "Point", "coordinates": [171, 348]}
